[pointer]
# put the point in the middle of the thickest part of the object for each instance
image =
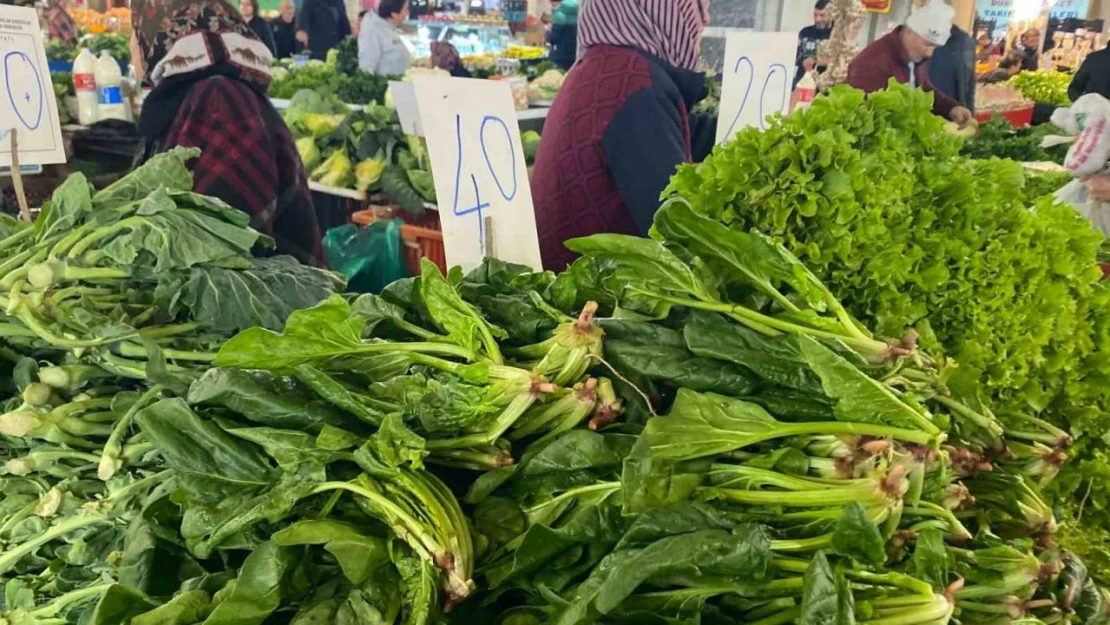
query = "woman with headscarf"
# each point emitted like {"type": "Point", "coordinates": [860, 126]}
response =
{"type": "Point", "coordinates": [564, 34]}
{"type": "Point", "coordinates": [59, 23]}
{"type": "Point", "coordinates": [209, 74]}
{"type": "Point", "coordinates": [445, 56]}
{"type": "Point", "coordinates": [620, 124]}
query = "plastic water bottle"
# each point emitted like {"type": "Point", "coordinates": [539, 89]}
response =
{"type": "Point", "coordinates": [805, 92]}
{"type": "Point", "coordinates": [110, 101]}
{"type": "Point", "coordinates": [84, 84]}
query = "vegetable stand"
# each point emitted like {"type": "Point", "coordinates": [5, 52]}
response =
{"type": "Point", "coordinates": [734, 421]}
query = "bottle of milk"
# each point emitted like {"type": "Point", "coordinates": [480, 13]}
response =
{"type": "Point", "coordinates": [111, 102]}
{"type": "Point", "coordinates": [84, 84]}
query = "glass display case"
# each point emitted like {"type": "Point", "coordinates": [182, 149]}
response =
{"type": "Point", "coordinates": [468, 37]}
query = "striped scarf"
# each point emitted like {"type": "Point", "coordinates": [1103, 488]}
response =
{"type": "Point", "coordinates": [668, 29]}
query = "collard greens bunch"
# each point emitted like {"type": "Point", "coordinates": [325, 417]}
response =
{"type": "Point", "coordinates": [876, 201]}
{"type": "Point", "coordinates": [683, 430]}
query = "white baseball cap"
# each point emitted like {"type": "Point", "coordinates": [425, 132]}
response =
{"type": "Point", "coordinates": [932, 21]}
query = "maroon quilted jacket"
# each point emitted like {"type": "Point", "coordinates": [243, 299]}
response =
{"type": "Point", "coordinates": [618, 129]}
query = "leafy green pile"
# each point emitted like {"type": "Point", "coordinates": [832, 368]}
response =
{"type": "Point", "coordinates": [873, 198]}
{"type": "Point", "coordinates": [338, 75]}
{"type": "Point", "coordinates": [998, 138]}
{"type": "Point", "coordinates": [453, 450]}
{"type": "Point", "coordinates": [1043, 86]}
{"type": "Point", "coordinates": [365, 149]}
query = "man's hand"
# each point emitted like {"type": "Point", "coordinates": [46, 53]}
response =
{"type": "Point", "coordinates": [1098, 186]}
{"type": "Point", "coordinates": [302, 37]}
{"type": "Point", "coordinates": [961, 116]}
{"type": "Point", "coordinates": [809, 63]}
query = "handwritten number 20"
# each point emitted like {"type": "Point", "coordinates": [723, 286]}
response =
{"type": "Point", "coordinates": [772, 70]}
{"type": "Point", "coordinates": [508, 193]}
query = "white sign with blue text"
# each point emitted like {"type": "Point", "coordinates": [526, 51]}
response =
{"type": "Point", "coordinates": [758, 78]}
{"type": "Point", "coordinates": [27, 101]}
{"type": "Point", "coordinates": [485, 203]}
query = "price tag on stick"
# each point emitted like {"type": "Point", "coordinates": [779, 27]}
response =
{"type": "Point", "coordinates": [758, 78]}
{"type": "Point", "coordinates": [485, 203]}
{"type": "Point", "coordinates": [27, 101]}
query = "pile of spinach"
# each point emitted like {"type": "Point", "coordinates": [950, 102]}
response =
{"type": "Point", "coordinates": [687, 429]}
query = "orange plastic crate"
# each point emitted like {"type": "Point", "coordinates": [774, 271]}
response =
{"type": "Point", "coordinates": [422, 236]}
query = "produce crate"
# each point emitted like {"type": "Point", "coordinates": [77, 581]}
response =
{"type": "Point", "coordinates": [1018, 118]}
{"type": "Point", "coordinates": [422, 236]}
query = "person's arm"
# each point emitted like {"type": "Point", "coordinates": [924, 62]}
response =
{"type": "Point", "coordinates": [942, 102]}
{"type": "Point", "coordinates": [868, 74]}
{"type": "Point", "coordinates": [642, 163]}
{"type": "Point", "coordinates": [305, 17]}
{"type": "Point", "coordinates": [344, 23]}
{"type": "Point", "coordinates": [369, 48]}
{"type": "Point", "coordinates": [1078, 84]}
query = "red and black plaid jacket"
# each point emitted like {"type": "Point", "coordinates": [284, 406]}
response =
{"type": "Point", "coordinates": [249, 160]}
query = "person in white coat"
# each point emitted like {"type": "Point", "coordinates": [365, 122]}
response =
{"type": "Point", "coordinates": [380, 49]}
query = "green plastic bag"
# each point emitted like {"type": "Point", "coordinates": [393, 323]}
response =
{"type": "Point", "coordinates": [370, 257]}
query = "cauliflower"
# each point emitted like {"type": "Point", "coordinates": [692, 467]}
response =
{"type": "Point", "coordinates": [335, 171]}
{"type": "Point", "coordinates": [368, 172]}
{"type": "Point", "coordinates": [546, 85]}
{"type": "Point", "coordinates": [310, 154]}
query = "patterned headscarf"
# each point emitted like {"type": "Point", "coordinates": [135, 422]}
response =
{"type": "Point", "coordinates": [445, 55]}
{"type": "Point", "coordinates": [668, 29]}
{"type": "Point", "coordinates": [183, 36]}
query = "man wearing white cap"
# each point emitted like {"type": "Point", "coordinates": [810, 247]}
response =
{"type": "Point", "coordinates": [902, 54]}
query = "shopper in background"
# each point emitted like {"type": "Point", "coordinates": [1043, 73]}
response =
{"type": "Point", "coordinates": [59, 23]}
{"type": "Point", "coordinates": [620, 124]}
{"type": "Point", "coordinates": [284, 28]}
{"type": "Point", "coordinates": [952, 68]}
{"type": "Point", "coordinates": [810, 37]}
{"type": "Point", "coordinates": [249, 10]}
{"type": "Point", "coordinates": [902, 54]}
{"type": "Point", "coordinates": [1025, 56]}
{"type": "Point", "coordinates": [380, 49]}
{"type": "Point", "coordinates": [321, 25]}
{"type": "Point", "coordinates": [445, 56]}
{"type": "Point", "coordinates": [1093, 76]}
{"type": "Point", "coordinates": [563, 36]}
{"type": "Point", "coordinates": [210, 74]}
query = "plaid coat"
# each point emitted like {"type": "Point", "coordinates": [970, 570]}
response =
{"type": "Point", "coordinates": [249, 160]}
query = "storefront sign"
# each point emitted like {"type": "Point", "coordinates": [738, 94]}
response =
{"type": "Point", "coordinates": [27, 101]}
{"type": "Point", "coordinates": [877, 6]}
{"type": "Point", "coordinates": [758, 78]}
{"type": "Point", "coordinates": [1002, 11]}
{"type": "Point", "coordinates": [485, 203]}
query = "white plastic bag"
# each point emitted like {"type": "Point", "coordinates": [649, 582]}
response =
{"type": "Point", "coordinates": [1089, 119]}
{"type": "Point", "coordinates": [1076, 195]}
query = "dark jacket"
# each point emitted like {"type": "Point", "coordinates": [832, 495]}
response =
{"type": "Point", "coordinates": [617, 130]}
{"type": "Point", "coordinates": [564, 45]}
{"type": "Point", "coordinates": [1093, 76]}
{"type": "Point", "coordinates": [952, 68]}
{"type": "Point", "coordinates": [886, 58]}
{"type": "Point", "coordinates": [326, 23]}
{"type": "Point", "coordinates": [285, 37]}
{"type": "Point", "coordinates": [808, 40]}
{"type": "Point", "coordinates": [262, 30]}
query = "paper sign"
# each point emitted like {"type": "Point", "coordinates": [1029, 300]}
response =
{"type": "Point", "coordinates": [404, 101]}
{"type": "Point", "coordinates": [758, 79]}
{"type": "Point", "coordinates": [27, 94]}
{"type": "Point", "coordinates": [485, 203]}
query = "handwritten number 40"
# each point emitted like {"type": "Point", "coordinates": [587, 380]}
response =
{"type": "Point", "coordinates": [774, 69]}
{"type": "Point", "coordinates": [490, 124]}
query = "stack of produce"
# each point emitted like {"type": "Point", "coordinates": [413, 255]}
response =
{"type": "Point", "coordinates": [878, 204]}
{"type": "Point", "coordinates": [485, 449]}
{"type": "Point", "coordinates": [998, 138]}
{"type": "Point", "coordinates": [545, 86]}
{"type": "Point", "coordinates": [339, 75]}
{"type": "Point", "coordinates": [1043, 87]}
{"type": "Point", "coordinates": [364, 149]}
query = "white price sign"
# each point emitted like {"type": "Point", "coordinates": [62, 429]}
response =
{"type": "Point", "coordinates": [758, 79]}
{"type": "Point", "coordinates": [485, 203]}
{"type": "Point", "coordinates": [27, 98]}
